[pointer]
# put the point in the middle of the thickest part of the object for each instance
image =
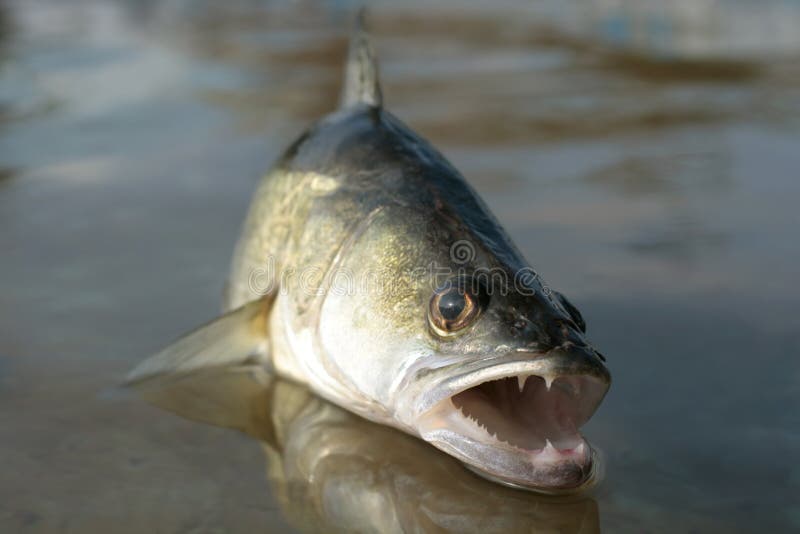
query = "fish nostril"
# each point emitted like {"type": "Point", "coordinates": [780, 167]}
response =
{"type": "Point", "coordinates": [566, 331]}
{"type": "Point", "coordinates": [564, 326]}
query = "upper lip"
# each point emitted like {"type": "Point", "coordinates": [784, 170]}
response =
{"type": "Point", "coordinates": [548, 365]}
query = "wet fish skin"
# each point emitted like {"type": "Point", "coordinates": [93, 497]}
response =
{"type": "Point", "coordinates": [360, 198]}
{"type": "Point", "coordinates": [361, 172]}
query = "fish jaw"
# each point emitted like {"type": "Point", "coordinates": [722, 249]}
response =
{"type": "Point", "coordinates": [518, 422]}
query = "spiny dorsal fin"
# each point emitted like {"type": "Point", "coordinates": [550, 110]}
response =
{"type": "Point", "coordinates": [361, 84]}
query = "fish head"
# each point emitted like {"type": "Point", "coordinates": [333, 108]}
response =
{"type": "Point", "coordinates": [445, 331]}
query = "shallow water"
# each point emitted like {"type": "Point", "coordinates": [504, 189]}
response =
{"type": "Point", "coordinates": [644, 157]}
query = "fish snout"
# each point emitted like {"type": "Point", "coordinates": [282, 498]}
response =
{"type": "Point", "coordinates": [516, 418]}
{"type": "Point", "coordinates": [571, 363]}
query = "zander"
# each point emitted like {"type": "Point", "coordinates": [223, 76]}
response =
{"type": "Point", "coordinates": [371, 271]}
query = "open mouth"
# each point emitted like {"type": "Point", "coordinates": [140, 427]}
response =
{"type": "Point", "coordinates": [530, 414]}
{"type": "Point", "coordinates": [522, 430]}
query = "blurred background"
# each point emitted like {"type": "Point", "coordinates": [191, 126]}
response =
{"type": "Point", "coordinates": [644, 155]}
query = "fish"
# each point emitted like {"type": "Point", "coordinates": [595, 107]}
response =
{"type": "Point", "coordinates": [369, 270]}
{"type": "Point", "coordinates": [332, 471]}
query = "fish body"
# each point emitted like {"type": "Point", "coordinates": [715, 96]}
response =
{"type": "Point", "coordinates": [369, 270]}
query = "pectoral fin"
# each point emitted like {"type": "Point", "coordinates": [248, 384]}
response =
{"type": "Point", "coordinates": [232, 396]}
{"type": "Point", "coordinates": [240, 336]}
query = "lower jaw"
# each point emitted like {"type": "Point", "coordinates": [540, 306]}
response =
{"type": "Point", "coordinates": [554, 475]}
{"type": "Point", "coordinates": [556, 480]}
{"type": "Point", "coordinates": [549, 469]}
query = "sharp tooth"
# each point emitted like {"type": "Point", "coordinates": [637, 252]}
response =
{"type": "Point", "coordinates": [548, 381]}
{"type": "Point", "coordinates": [521, 382]}
{"type": "Point", "coordinates": [580, 450]}
{"type": "Point", "coordinates": [548, 453]}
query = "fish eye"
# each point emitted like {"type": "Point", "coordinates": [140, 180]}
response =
{"type": "Point", "coordinates": [455, 306]}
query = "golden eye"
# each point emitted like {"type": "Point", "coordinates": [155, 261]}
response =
{"type": "Point", "coordinates": [454, 307]}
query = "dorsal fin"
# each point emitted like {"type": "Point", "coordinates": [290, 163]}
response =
{"type": "Point", "coordinates": [361, 84]}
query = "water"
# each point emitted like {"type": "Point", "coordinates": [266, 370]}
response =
{"type": "Point", "coordinates": [643, 156]}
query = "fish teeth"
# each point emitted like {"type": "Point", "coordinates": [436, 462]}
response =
{"type": "Point", "coordinates": [548, 381]}
{"type": "Point", "coordinates": [521, 382]}
{"type": "Point", "coordinates": [548, 453]}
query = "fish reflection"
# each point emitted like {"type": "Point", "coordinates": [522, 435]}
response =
{"type": "Point", "coordinates": [332, 471]}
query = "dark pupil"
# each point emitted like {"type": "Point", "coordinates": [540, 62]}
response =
{"type": "Point", "coordinates": [451, 304]}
